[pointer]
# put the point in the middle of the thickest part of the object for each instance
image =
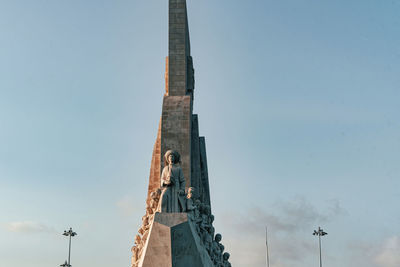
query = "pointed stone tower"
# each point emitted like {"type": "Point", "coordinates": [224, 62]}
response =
{"type": "Point", "coordinates": [186, 238]}
{"type": "Point", "coordinates": [179, 128]}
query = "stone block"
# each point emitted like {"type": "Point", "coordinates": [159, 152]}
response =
{"type": "Point", "coordinates": [174, 242]}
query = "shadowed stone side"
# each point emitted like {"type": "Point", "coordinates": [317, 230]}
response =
{"type": "Point", "coordinates": [205, 197]}
{"type": "Point", "coordinates": [196, 171]}
{"type": "Point", "coordinates": [184, 249]}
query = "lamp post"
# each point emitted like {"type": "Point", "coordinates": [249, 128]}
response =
{"type": "Point", "coordinates": [319, 233]}
{"type": "Point", "coordinates": [266, 243]}
{"type": "Point", "coordinates": [69, 233]}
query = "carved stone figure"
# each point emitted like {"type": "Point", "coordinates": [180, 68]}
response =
{"type": "Point", "coordinates": [136, 250]}
{"type": "Point", "coordinates": [216, 253]}
{"type": "Point", "coordinates": [189, 200]}
{"type": "Point", "coordinates": [173, 184]}
{"type": "Point", "coordinates": [149, 211]}
{"type": "Point", "coordinates": [194, 214]}
{"type": "Point", "coordinates": [135, 256]}
{"type": "Point", "coordinates": [205, 232]}
{"type": "Point", "coordinates": [141, 231]}
{"type": "Point", "coordinates": [145, 224]}
{"type": "Point", "coordinates": [226, 258]}
{"type": "Point", "coordinates": [221, 248]}
{"type": "Point", "coordinates": [138, 240]}
{"type": "Point", "coordinates": [211, 218]}
{"type": "Point", "coordinates": [155, 197]}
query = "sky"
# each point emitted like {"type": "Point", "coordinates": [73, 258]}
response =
{"type": "Point", "coordinates": [298, 101]}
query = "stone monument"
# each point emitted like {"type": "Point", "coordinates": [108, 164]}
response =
{"type": "Point", "coordinates": [177, 228]}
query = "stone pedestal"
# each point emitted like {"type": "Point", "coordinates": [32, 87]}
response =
{"type": "Point", "coordinates": [173, 242]}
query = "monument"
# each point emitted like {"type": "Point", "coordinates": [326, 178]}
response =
{"type": "Point", "coordinates": [177, 228]}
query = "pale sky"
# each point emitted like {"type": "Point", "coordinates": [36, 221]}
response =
{"type": "Point", "coordinates": [298, 101]}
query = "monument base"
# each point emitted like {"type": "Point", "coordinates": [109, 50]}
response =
{"type": "Point", "coordinates": [173, 242]}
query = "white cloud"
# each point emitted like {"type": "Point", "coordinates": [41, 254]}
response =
{"type": "Point", "coordinates": [29, 227]}
{"type": "Point", "coordinates": [389, 253]}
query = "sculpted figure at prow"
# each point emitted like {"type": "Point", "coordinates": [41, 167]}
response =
{"type": "Point", "coordinates": [172, 184]}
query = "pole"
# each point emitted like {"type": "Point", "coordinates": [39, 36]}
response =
{"type": "Point", "coordinates": [266, 242]}
{"type": "Point", "coordinates": [69, 251]}
{"type": "Point", "coordinates": [320, 233]}
{"type": "Point", "coordinates": [70, 234]}
{"type": "Point", "coordinates": [320, 257]}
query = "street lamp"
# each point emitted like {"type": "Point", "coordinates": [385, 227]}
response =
{"type": "Point", "coordinates": [69, 233]}
{"type": "Point", "coordinates": [319, 233]}
{"type": "Point", "coordinates": [65, 264]}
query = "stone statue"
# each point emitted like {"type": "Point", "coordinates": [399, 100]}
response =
{"type": "Point", "coordinates": [221, 247]}
{"type": "Point", "coordinates": [206, 228]}
{"type": "Point", "coordinates": [135, 256]}
{"type": "Point", "coordinates": [189, 200]}
{"type": "Point", "coordinates": [194, 214]}
{"type": "Point", "coordinates": [145, 225]}
{"type": "Point", "coordinates": [216, 253]}
{"type": "Point", "coordinates": [155, 197]}
{"type": "Point", "coordinates": [149, 211]}
{"type": "Point", "coordinates": [136, 250]}
{"type": "Point", "coordinates": [173, 184]}
{"type": "Point", "coordinates": [226, 258]}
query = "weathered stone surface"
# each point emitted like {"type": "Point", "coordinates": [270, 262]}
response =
{"type": "Point", "coordinates": [179, 48]}
{"type": "Point", "coordinates": [176, 130]}
{"type": "Point", "coordinates": [173, 241]}
{"type": "Point", "coordinates": [157, 251]}
{"type": "Point", "coordinates": [180, 65]}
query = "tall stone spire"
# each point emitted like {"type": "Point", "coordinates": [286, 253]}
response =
{"type": "Point", "coordinates": [180, 80]}
{"type": "Point", "coordinates": [178, 129]}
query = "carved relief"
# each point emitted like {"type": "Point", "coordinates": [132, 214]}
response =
{"type": "Point", "coordinates": [147, 220]}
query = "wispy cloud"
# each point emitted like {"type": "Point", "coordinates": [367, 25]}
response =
{"type": "Point", "coordinates": [288, 222]}
{"type": "Point", "coordinates": [384, 253]}
{"type": "Point", "coordinates": [389, 253]}
{"type": "Point", "coordinates": [29, 227]}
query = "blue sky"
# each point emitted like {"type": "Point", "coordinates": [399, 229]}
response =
{"type": "Point", "coordinates": [298, 100]}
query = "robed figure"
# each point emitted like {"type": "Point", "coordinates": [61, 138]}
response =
{"type": "Point", "coordinates": [172, 184]}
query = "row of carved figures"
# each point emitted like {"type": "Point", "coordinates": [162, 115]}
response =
{"type": "Point", "coordinates": [143, 232]}
{"type": "Point", "coordinates": [199, 213]}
